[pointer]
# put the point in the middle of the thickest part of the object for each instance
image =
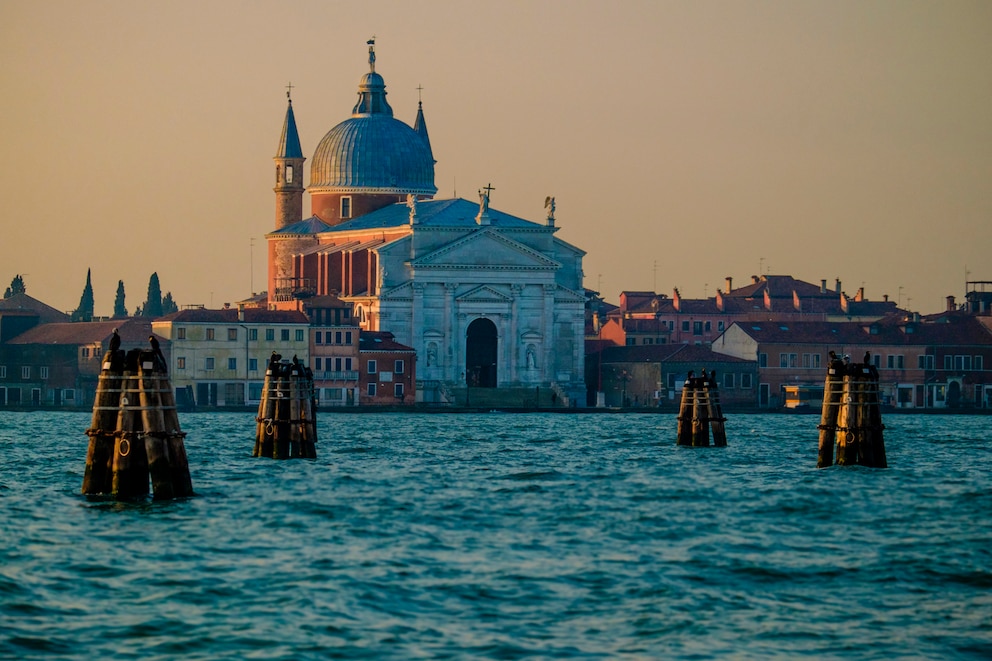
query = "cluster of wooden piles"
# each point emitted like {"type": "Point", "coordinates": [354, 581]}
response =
{"type": "Point", "coordinates": [135, 431]}
{"type": "Point", "coordinates": [850, 417]}
{"type": "Point", "coordinates": [286, 420]}
{"type": "Point", "coordinates": [700, 412]}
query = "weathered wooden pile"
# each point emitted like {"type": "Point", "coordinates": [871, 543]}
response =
{"type": "Point", "coordinates": [286, 420]}
{"type": "Point", "coordinates": [851, 418]}
{"type": "Point", "coordinates": [135, 431]}
{"type": "Point", "coordinates": [700, 412]}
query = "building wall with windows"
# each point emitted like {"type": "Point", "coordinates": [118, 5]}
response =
{"type": "Point", "coordinates": [928, 364]}
{"type": "Point", "coordinates": [387, 370]}
{"type": "Point", "coordinates": [219, 357]}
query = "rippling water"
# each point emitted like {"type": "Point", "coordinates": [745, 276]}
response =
{"type": "Point", "coordinates": [499, 536]}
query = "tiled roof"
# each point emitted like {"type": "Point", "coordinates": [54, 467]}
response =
{"type": "Point", "coordinates": [457, 213]}
{"type": "Point", "coordinates": [655, 353]}
{"type": "Point", "coordinates": [24, 303]}
{"type": "Point", "coordinates": [230, 316]}
{"type": "Point", "coordinates": [381, 341]}
{"type": "Point", "coordinates": [963, 331]}
{"type": "Point", "coordinates": [133, 331]}
{"type": "Point", "coordinates": [311, 225]}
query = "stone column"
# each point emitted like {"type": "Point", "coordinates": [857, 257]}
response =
{"type": "Point", "coordinates": [547, 366]}
{"type": "Point", "coordinates": [451, 370]}
{"type": "Point", "coordinates": [513, 337]}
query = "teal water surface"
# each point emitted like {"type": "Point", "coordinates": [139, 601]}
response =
{"type": "Point", "coordinates": [504, 536]}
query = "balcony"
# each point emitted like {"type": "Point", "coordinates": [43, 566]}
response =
{"type": "Point", "coordinates": [289, 289]}
{"type": "Point", "coordinates": [347, 375]}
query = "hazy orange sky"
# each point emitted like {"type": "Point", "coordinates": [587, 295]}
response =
{"type": "Point", "coordinates": [684, 141]}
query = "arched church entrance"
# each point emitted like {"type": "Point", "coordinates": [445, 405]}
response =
{"type": "Point", "coordinates": [480, 354]}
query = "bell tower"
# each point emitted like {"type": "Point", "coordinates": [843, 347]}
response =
{"type": "Point", "coordinates": [289, 170]}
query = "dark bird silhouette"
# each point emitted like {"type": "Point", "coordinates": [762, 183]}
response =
{"type": "Point", "coordinates": [115, 342]}
{"type": "Point", "coordinates": [159, 356]}
{"type": "Point", "coordinates": [833, 355]}
{"type": "Point", "coordinates": [867, 357]}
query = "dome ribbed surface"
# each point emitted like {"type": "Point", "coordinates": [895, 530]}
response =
{"type": "Point", "coordinates": [373, 153]}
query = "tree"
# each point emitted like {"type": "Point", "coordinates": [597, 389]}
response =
{"type": "Point", "coordinates": [119, 309]}
{"type": "Point", "coordinates": [85, 310]}
{"type": "Point", "coordinates": [153, 304]}
{"type": "Point", "coordinates": [16, 287]}
{"type": "Point", "coordinates": [168, 305]}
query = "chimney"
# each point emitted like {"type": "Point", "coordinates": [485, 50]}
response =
{"type": "Point", "coordinates": [676, 300]}
{"type": "Point", "coordinates": [719, 300]}
{"type": "Point", "coordinates": [730, 284]}
{"type": "Point", "coordinates": [823, 286]}
{"type": "Point", "coordinates": [860, 296]}
{"type": "Point", "coordinates": [755, 279]}
{"type": "Point", "coordinates": [838, 285]}
{"type": "Point", "coordinates": [885, 298]}
{"type": "Point", "coordinates": [950, 304]}
{"type": "Point", "coordinates": [241, 311]}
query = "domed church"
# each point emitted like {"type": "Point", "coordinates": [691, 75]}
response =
{"type": "Point", "coordinates": [487, 299]}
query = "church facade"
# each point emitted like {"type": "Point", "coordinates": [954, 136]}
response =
{"type": "Point", "coordinates": [486, 299]}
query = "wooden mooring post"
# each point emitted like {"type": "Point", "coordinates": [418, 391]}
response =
{"type": "Point", "coordinates": [286, 424]}
{"type": "Point", "coordinates": [135, 431]}
{"type": "Point", "coordinates": [851, 418]}
{"type": "Point", "coordinates": [700, 412]}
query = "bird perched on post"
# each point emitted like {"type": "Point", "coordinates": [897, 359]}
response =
{"type": "Point", "coordinates": [115, 342]}
{"type": "Point", "coordinates": [159, 356]}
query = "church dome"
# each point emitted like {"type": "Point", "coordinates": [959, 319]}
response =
{"type": "Point", "coordinates": [372, 152]}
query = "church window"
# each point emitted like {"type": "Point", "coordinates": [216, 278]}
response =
{"type": "Point", "coordinates": [289, 174]}
{"type": "Point", "coordinates": [372, 367]}
{"type": "Point", "coordinates": [346, 206]}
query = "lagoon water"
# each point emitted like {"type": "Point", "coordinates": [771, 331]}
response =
{"type": "Point", "coordinates": [504, 536]}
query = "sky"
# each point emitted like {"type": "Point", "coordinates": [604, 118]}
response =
{"type": "Point", "coordinates": [684, 141]}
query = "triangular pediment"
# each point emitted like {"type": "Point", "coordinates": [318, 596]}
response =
{"type": "Point", "coordinates": [483, 293]}
{"type": "Point", "coordinates": [485, 249]}
{"type": "Point", "coordinates": [566, 295]}
{"type": "Point", "coordinates": [403, 292]}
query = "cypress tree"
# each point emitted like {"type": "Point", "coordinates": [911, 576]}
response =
{"type": "Point", "coordinates": [16, 287]}
{"type": "Point", "coordinates": [119, 309]}
{"type": "Point", "coordinates": [168, 305]}
{"type": "Point", "coordinates": [153, 304]}
{"type": "Point", "coordinates": [85, 310]}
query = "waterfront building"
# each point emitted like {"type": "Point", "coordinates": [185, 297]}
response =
{"type": "Point", "coordinates": [218, 357]}
{"type": "Point", "coordinates": [485, 299]}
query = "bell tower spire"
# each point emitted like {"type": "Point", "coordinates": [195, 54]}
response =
{"type": "Point", "coordinates": [289, 170]}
